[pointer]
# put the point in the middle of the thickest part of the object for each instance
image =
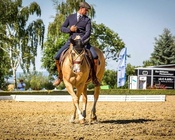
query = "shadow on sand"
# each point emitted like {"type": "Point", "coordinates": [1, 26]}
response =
{"type": "Point", "coordinates": [126, 121]}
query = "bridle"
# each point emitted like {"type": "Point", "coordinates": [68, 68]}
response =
{"type": "Point", "coordinates": [76, 59]}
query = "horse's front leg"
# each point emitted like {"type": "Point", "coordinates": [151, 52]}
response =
{"type": "Point", "coordinates": [81, 91]}
{"type": "Point", "coordinates": [93, 116]}
{"type": "Point", "coordinates": [84, 100]}
{"type": "Point", "coordinates": [75, 99]}
{"type": "Point", "coordinates": [73, 117]}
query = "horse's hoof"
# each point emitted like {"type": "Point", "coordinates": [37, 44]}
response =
{"type": "Point", "coordinates": [72, 120]}
{"type": "Point", "coordinates": [94, 118]}
{"type": "Point", "coordinates": [82, 121]}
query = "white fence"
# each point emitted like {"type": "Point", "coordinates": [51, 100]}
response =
{"type": "Point", "coordinates": [65, 98]}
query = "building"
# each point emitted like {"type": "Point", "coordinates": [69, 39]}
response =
{"type": "Point", "coordinates": [161, 77]}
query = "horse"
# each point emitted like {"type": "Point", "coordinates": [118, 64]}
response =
{"type": "Point", "coordinates": [76, 71]}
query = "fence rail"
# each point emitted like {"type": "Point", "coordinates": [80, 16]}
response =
{"type": "Point", "coordinates": [65, 98]}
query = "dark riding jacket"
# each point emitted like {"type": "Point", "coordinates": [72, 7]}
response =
{"type": "Point", "coordinates": [83, 26]}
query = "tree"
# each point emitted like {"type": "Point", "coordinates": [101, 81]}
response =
{"type": "Point", "coordinates": [130, 70]}
{"type": "Point", "coordinates": [5, 16]}
{"type": "Point", "coordinates": [101, 37]}
{"type": "Point", "coordinates": [70, 6]}
{"type": "Point", "coordinates": [164, 49]}
{"type": "Point", "coordinates": [20, 40]}
{"type": "Point", "coordinates": [147, 63]}
{"type": "Point", "coordinates": [52, 44]}
{"type": "Point", "coordinates": [8, 10]}
{"type": "Point", "coordinates": [36, 81]}
{"type": "Point", "coordinates": [107, 40]}
{"type": "Point", "coordinates": [110, 78]}
{"type": "Point", "coordinates": [4, 68]}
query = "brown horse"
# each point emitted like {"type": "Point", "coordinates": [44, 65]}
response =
{"type": "Point", "coordinates": [76, 70]}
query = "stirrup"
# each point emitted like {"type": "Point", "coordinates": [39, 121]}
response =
{"type": "Point", "coordinates": [57, 82]}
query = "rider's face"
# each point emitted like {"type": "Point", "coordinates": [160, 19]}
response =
{"type": "Point", "coordinates": [84, 11]}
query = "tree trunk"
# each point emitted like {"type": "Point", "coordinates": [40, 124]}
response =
{"type": "Point", "coordinates": [14, 78]}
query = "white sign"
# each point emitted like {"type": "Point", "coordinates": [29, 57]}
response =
{"type": "Point", "coordinates": [133, 82]}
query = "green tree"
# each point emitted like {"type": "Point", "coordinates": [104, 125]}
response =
{"type": "Point", "coordinates": [102, 37]}
{"type": "Point", "coordinates": [4, 68]}
{"type": "Point", "coordinates": [36, 81]}
{"type": "Point", "coordinates": [130, 70]}
{"type": "Point", "coordinates": [110, 78]}
{"type": "Point", "coordinates": [53, 42]}
{"type": "Point", "coordinates": [20, 39]}
{"type": "Point", "coordinates": [8, 10]}
{"type": "Point", "coordinates": [5, 17]}
{"type": "Point", "coordinates": [70, 6]}
{"type": "Point", "coordinates": [164, 49]}
{"type": "Point", "coordinates": [147, 63]}
{"type": "Point", "coordinates": [107, 40]}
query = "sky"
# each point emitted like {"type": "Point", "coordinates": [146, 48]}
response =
{"type": "Point", "coordinates": [137, 22]}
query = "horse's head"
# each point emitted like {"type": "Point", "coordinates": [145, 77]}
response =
{"type": "Point", "coordinates": [77, 53]}
{"type": "Point", "coordinates": [77, 44]}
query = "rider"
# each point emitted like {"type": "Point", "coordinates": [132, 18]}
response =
{"type": "Point", "coordinates": [78, 24]}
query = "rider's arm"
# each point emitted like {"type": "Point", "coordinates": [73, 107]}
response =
{"type": "Point", "coordinates": [87, 31]}
{"type": "Point", "coordinates": [64, 27]}
{"type": "Point", "coordinates": [68, 26]}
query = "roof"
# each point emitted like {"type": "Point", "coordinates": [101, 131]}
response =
{"type": "Point", "coordinates": [164, 66]}
{"type": "Point", "coordinates": [168, 67]}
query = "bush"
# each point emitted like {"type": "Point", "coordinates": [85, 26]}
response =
{"type": "Point", "coordinates": [137, 92]}
{"type": "Point", "coordinates": [11, 87]}
{"type": "Point", "coordinates": [37, 81]}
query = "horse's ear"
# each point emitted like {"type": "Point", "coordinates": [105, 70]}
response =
{"type": "Point", "coordinates": [72, 41]}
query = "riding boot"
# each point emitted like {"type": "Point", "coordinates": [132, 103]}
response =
{"type": "Point", "coordinates": [60, 76]}
{"type": "Point", "coordinates": [94, 72]}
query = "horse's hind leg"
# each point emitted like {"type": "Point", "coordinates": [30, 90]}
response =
{"type": "Point", "coordinates": [93, 116]}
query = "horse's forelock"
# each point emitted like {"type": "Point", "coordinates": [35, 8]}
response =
{"type": "Point", "coordinates": [78, 46]}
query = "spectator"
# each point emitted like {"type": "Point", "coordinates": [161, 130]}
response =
{"type": "Point", "coordinates": [21, 85]}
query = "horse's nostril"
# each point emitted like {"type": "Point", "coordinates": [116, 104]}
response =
{"type": "Point", "coordinates": [74, 70]}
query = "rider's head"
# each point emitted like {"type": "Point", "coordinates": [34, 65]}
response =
{"type": "Point", "coordinates": [84, 8]}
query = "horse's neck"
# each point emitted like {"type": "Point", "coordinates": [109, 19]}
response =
{"type": "Point", "coordinates": [70, 47]}
{"type": "Point", "coordinates": [68, 56]}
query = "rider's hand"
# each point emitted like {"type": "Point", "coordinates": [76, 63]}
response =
{"type": "Point", "coordinates": [73, 28]}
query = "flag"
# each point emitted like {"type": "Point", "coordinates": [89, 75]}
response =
{"type": "Point", "coordinates": [121, 74]}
